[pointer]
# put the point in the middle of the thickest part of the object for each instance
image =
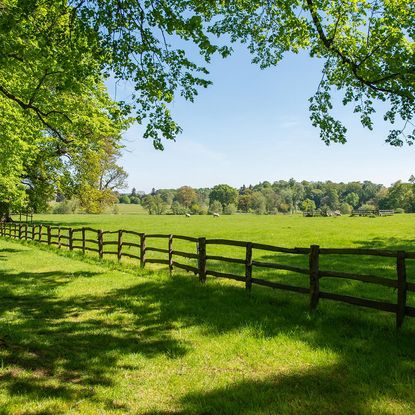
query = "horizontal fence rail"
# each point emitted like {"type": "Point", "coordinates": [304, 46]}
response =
{"type": "Point", "coordinates": [114, 243]}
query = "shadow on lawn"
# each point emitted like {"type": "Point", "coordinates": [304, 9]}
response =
{"type": "Point", "coordinates": [389, 243]}
{"type": "Point", "coordinates": [79, 342]}
{"type": "Point", "coordinates": [322, 391]}
{"type": "Point", "coordinates": [5, 251]}
{"type": "Point", "coordinates": [57, 222]}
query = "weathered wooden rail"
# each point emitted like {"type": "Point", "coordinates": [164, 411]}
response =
{"type": "Point", "coordinates": [375, 212]}
{"type": "Point", "coordinates": [78, 238]}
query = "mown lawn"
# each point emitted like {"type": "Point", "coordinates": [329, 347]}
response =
{"type": "Point", "coordinates": [82, 337]}
{"type": "Point", "coordinates": [395, 232]}
{"type": "Point", "coordinates": [283, 230]}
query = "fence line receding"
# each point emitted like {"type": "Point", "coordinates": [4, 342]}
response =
{"type": "Point", "coordinates": [78, 238]}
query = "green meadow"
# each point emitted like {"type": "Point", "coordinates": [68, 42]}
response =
{"type": "Point", "coordinates": [83, 336]}
{"type": "Point", "coordinates": [283, 230]}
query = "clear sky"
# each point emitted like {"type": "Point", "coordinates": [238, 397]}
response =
{"type": "Point", "coordinates": [253, 125]}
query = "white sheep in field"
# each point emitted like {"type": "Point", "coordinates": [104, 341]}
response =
{"type": "Point", "coordinates": [188, 215]}
{"type": "Point", "coordinates": [215, 215]}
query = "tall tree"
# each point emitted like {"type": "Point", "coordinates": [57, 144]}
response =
{"type": "Point", "coordinates": [224, 194]}
{"type": "Point", "coordinates": [186, 195]}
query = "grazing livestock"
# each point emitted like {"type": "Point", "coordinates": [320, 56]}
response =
{"type": "Point", "coordinates": [215, 215]}
{"type": "Point", "coordinates": [188, 215]}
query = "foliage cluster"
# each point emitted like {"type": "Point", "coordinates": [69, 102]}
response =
{"type": "Point", "coordinates": [60, 131]}
{"type": "Point", "coordinates": [280, 197]}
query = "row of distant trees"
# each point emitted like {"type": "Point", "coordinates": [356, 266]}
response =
{"type": "Point", "coordinates": [278, 197]}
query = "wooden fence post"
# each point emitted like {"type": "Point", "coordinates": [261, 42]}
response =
{"type": "Point", "coordinates": [59, 237]}
{"type": "Point", "coordinates": [119, 245]}
{"type": "Point", "coordinates": [83, 241]}
{"type": "Point", "coordinates": [171, 254]}
{"type": "Point", "coordinates": [40, 233]}
{"type": "Point", "coordinates": [143, 250]}
{"type": "Point", "coordinates": [33, 232]}
{"type": "Point", "coordinates": [49, 231]}
{"type": "Point", "coordinates": [20, 231]}
{"type": "Point", "coordinates": [202, 259]}
{"type": "Point", "coordinates": [248, 267]}
{"type": "Point", "coordinates": [100, 244]}
{"type": "Point", "coordinates": [70, 239]}
{"type": "Point", "coordinates": [314, 277]}
{"type": "Point", "coordinates": [401, 271]}
{"type": "Point", "coordinates": [25, 231]}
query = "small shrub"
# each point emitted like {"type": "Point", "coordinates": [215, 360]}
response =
{"type": "Point", "coordinates": [345, 209]}
{"type": "Point", "coordinates": [368, 206]}
{"type": "Point", "coordinates": [134, 200]}
{"type": "Point", "coordinates": [124, 199]}
{"type": "Point", "coordinates": [215, 207]}
{"type": "Point", "coordinates": [284, 208]}
{"type": "Point", "coordinates": [62, 208]}
{"type": "Point", "coordinates": [230, 209]}
{"type": "Point", "coordinates": [325, 210]}
{"type": "Point", "coordinates": [399, 210]}
{"type": "Point", "coordinates": [177, 208]}
{"type": "Point", "coordinates": [308, 205]}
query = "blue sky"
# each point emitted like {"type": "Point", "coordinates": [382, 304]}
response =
{"type": "Point", "coordinates": [253, 125]}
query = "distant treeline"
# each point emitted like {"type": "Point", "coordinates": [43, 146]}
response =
{"type": "Point", "coordinates": [279, 197]}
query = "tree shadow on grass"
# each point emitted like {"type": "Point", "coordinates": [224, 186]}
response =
{"type": "Point", "coordinates": [4, 253]}
{"type": "Point", "coordinates": [79, 342]}
{"type": "Point", "coordinates": [74, 342]}
{"type": "Point", "coordinates": [316, 391]}
{"type": "Point", "coordinates": [388, 243]}
{"type": "Point", "coordinates": [57, 222]}
{"type": "Point", "coordinates": [374, 361]}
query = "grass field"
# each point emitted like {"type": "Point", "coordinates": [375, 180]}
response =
{"type": "Point", "coordinates": [393, 232]}
{"type": "Point", "coordinates": [83, 337]}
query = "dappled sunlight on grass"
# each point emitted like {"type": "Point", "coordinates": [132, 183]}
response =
{"type": "Point", "coordinates": [84, 337]}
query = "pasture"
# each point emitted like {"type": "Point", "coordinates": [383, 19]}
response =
{"type": "Point", "coordinates": [283, 230]}
{"type": "Point", "coordinates": [288, 231]}
{"type": "Point", "coordinates": [80, 336]}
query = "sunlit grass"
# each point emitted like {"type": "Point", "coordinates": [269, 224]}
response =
{"type": "Point", "coordinates": [80, 337]}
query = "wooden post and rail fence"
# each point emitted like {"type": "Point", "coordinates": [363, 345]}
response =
{"type": "Point", "coordinates": [79, 239]}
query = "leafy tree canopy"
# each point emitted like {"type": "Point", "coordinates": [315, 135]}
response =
{"type": "Point", "coordinates": [54, 47]}
{"type": "Point", "coordinates": [224, 194]}
{"type": "Point", "coordinates": [367, 48]}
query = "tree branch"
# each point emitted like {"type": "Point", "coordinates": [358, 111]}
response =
{"type": "Point", "coordinates": [40, 114]}
{"type": "Point", "coordinates": [329, 44]}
